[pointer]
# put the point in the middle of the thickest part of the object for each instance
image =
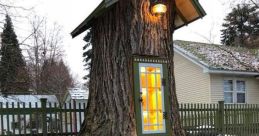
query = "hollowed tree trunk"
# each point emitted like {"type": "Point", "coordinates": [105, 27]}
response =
{"type": "Point", "coordinates": [126, 29]}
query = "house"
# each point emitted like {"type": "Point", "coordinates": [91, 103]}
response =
{"type": "Point", "coordinates": [78, 98]}
{"type": "Point", "coordinates": [27, 99]}
{"type": "Point", "coordinates": [77, 95]}
{"type": "Point", "coordinates": [208, 73]}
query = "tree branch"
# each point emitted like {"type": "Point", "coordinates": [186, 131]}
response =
{"type": "Point", "coordinates": [256, 4]}
{"type": "Point", "coordinates": [11, 6]}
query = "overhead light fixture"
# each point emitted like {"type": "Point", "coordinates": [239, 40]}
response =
{"type": "Point", "coordinates": [158, 7]}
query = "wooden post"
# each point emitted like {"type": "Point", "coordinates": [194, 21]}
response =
{"type": "Point", "coordinates": [75, 118]}
{"type": "Point", "coordinates": [44, 116]}
{"type": "Point", "coordinates": [221, 117]}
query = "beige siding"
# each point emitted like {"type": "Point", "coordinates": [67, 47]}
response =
{"type": "Point", "coordinates": [216, 88]}
{"type": "Point", "coordinates": [192, 85]}
{"type": "Point", "coordinates": [252, 88]}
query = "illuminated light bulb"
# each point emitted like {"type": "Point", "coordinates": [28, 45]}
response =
{"type": "Point", "coordinates": [159, 8]}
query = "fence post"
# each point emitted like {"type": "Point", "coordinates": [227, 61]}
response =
{"type": "Point", "coordinates": [221, 117]}
{"type": "Point", "coordinates": [44, 116]}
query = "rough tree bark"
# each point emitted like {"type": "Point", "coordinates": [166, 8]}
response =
{"type": "Point", "coordinates": [126, 29]}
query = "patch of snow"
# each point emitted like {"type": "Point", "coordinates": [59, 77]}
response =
{"type": "Point", "coordinates": [228, 58]}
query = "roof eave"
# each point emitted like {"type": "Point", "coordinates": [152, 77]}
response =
{"type": "Point", "coordinates": [104, 5]}
{"type": "Point", "coordinates": [209, 70]}
{"type": "Point", "coordinates": [232, 72]}
{"type": "Point", "coordinates": [87, 22]}
{"type": "Point", "coordinates": [200, 11]}
{"type": "Point", "coordinates": [199, 8]}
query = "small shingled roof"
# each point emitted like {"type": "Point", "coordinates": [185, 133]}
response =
{"type": "Point", "coordinates": [187, 12]}
{"type": "Point", "coordinates": [219, 57]}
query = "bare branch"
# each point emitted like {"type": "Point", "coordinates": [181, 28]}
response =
{"type": "Point", "coordinates": [255, 3]}
{"type": "Point", "coordinates": [12, 6]}
{"type": "Point", "coordinates": [33, 32]}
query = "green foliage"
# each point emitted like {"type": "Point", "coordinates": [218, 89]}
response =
{"type": "Point", "coordinates": [14, 76]}
{"type": "Point", "coordinates": [241, 27]}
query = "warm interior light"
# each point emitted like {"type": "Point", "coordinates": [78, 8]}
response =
{"type": "Point", "coordinates": [159, 8]}
{"type": "Point", "coordinates": [152, 112]}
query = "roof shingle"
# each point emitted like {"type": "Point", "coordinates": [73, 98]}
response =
{"type": "Point", "coordinates": [219, 57]}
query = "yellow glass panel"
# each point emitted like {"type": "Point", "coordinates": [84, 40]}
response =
{"type": "Point", "coordinates": [143, 69]}
{"type": "Point", "coordinates": [152, 117]}
{"type": "Point", "coordinates": [153, 127]}
{"type": "Point", "coordinates": [151, 80]}
{"type": "Point", "coordinates": [152, 101]}
{"type": "Point", "coordinates": [151, 69]}
{"type": "Point", "coordinates": [146, 128]}
{"type": "Point", "coordinates": [143, 80]}
{"type": "Point", "coordinates": [144, 98]}
{"type": "Point", "coordinates": [160, 117]}
{"type": "Point", "coordinates": [158, 80]}
{"type": "Point", "coordinates": [145, 117]}
{"type": "Point", "coordinates": [159, 100]}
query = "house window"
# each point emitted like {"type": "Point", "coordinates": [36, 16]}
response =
{"type": "Point", "coordinates": [228, 91]}
{"type": "Point", "coordinates": [234, 91]}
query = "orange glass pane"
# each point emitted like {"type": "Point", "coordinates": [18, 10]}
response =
{"type": "Point", "coordinates": [143, 80]}
{"type": "Point", "coordinates": [159, 100]}
{"type": "Point", "coordinates": [160, 117]}
{"type": "Point", "coordinates": [151, 69]}
{"type": "Point", "coordinates": [144, 99]}
{"type": "Point", "coordinates": [152, 101]}
{"type": "Point", "coordinates": [158, 80]}
{"type": "Point", "coordinates": [153, 127]}
{"type": "Point", "coordinates": [146, 128]}
{"type": "Point", "coordinates": [145, 117]}
{"type": "Point", "coordinates": [153, 118]}
{"type": "Point", "coordinates": [151, 80]}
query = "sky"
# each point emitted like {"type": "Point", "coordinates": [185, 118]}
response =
{"type": "Point", "coordinates": [70, 13]}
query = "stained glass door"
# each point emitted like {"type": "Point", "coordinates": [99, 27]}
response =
{"type": "Point", "coordinates": [151, 98]}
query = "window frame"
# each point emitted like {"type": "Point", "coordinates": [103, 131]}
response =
{"type": "Point", "coordinates": [232, 91]}
{"type": "Point", "coordinates": [235, 91]}
{"type": "Point", "coordinates": [153, 60]}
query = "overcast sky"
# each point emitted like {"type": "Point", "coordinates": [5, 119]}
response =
{"type": "Point", "coordinates": [70, 13]}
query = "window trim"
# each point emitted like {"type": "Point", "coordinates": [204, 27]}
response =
{"type": "Point", "coordinates": [232, 91]}
{"type": "Point", "coordinates": [235, 91]}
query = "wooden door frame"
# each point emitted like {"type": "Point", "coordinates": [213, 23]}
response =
{"type": "Point", "coordinates": [150, 60]}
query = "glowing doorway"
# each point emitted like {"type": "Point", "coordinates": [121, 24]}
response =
{"type": "Point", "coordinates": [152, 98]}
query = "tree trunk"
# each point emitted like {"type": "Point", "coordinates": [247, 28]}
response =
{"type": "Point", "coordinates": [126, 29]}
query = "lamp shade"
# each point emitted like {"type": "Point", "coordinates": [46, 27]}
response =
{"type": "Point", "coordinates": [158, 7]}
